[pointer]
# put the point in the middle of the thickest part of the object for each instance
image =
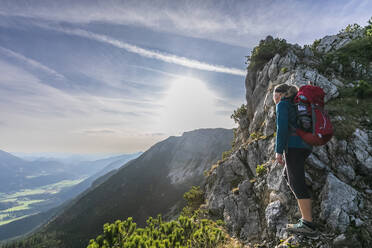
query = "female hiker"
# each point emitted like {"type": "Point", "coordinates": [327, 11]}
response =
{"type": "Point", "coordinates": [296, 151]}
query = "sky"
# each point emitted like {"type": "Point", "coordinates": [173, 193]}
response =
{"type": "Point", "coordinates": [90, 76]}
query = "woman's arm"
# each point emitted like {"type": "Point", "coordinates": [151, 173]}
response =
{"type": "Point", "coordinates": [281, 126]}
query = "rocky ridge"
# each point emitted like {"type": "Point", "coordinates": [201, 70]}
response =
{"type": "Point", "coordinates": [256, 207]}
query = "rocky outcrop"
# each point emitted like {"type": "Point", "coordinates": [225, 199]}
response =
{"type": "Point", "coordinates": [206, 143]}
{"type": "Point", "coordinates": [256, 207]}
{"type": "Point", "coordinates": [334, 42]}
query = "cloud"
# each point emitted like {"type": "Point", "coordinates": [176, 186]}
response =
{"type": "Point", "coordinates": [228, 103]}
{"type": "Point", "coordinates": [31, 62]}
{"type": "Point", "coordinates": [165, 57]}
{"type": "Point", "coordinates": [98, 131]}
{"type": "Point", "coordinates": [235, 22]}
{"type": "Point", "coordinates": [154, 134]}
{"type": "Point", "coordinates": [83, 122]}
{"type": "Point", "coordinates": [22, 93]}
{"type": "Point", "coordinates": [223, 112]}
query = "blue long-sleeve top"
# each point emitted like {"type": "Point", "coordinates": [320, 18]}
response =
{"type": "Point", "coordinates": [286, 118]}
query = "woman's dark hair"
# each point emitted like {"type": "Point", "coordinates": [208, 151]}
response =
{"type": "Point", "coordinates": [286, 89]}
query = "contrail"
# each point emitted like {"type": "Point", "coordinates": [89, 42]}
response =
{"type": "Point", "coordinates": [169, 58]}
{"type": "Point", "coordinates": [31, 62]}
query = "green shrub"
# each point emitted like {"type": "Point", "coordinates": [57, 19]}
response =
{"type": "Point", "coordinates": [368, 28]}
{"type": "Point", "coordinates": [261, 170]}
{"type": "Point", "coordinates": [181, 233]}
{"type": "Point", "coordinates": [239, 113]}
{"type": "Point", "coordinates": [257, 136]}
{"type": "Point", "coordinates": [233, 142]}
{"type": "Point", "coordinates": [352, 111]}
{"type": "Point", "coordinates": [284, 70]}
{"type": "Point", "coordinates": [265, 51]}
{"type": "Point", "coordinates": [220, 223]}
{"type": "Point", "coordinates": [363, 89]}
{"type": "Point", "coordinates": [226, 154]}
{"type": "Point", "coordinates": [358, 51]}
{"type": "Point", "coordinates": [194, 198]}
{"type": "Point", "coordinates": [315, 45]}
{"type": "Point", "coordinates": [351, 28]}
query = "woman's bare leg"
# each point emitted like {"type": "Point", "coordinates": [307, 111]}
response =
{"type": "Point", "coordinates": [305, 208]}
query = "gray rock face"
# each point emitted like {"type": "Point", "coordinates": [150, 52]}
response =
{"type": "Point", "coordinates": [256, 206]}
{"type": "Point", "coordinates": [308, 52]}
{"type": "Point", "coordinates": [341, 241]}
{"type": "Point", "coordinates": [232, 197]}
{"type": "Point", "coordinates": [346, 173]}
{"type": "Point", "coordinates": [273, 69]}
{"type": "Point", "coordinates": [335, 42]}
{"type": "Point", "coordinates": [275, 217]}
{"type": "Point", "coordinates": [241, 214]}
{"type": "Point", "coordinates": [339, 201]}
{"type": "Point", "coordinates": [198, 142]}
{"type": "Point", "coordinates": [303, 75]}
{"type": "Point", "coordinates": [275, 179]}
{"type": "Point", "coordinates": [222, 180]}
{"type": "Point", "coordinates": [362, 150]}
{"type": "Point", "coordinates": [326, 43]}
{"type": "Point", "coordinates": [316, 163]}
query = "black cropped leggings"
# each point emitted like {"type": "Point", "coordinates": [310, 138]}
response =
{"type": "Point", "coordinates": [294, 171]}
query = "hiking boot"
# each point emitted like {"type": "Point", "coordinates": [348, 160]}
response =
{"type": "Point", "coordinates": [304, 228]}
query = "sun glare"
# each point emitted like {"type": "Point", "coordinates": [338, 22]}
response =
{"type": "Point", "coordinates": [188, 105]}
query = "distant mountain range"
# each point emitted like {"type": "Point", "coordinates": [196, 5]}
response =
{"type": "Point", "coordinates": [42, 181]}
{"type": "Point", "coordinates": [151, 184]}
{"type": "Point", "coordinates": [17, 173]}
{"type": "Point", "coordinates": [67, 158]}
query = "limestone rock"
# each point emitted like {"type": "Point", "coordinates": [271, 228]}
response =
{"type": "Point", "coordinates": [273, 69]}
{"type": "Point", "coordinates": [339, 201]}
{"type": "Point", "coordinates": [275, 217]}
{"type": "Point", "coordinates": [326, 43]}
{"type": "Point", "coordinates": [301, 77]}
{"type": "Point", "coordinates": [335, 42]}
{"type": "Point", "coordinates": [346, 173]}
{"type": "Point", "coordinates": [308, 52]}
{"type": "Point", "coordinates": [362, 150]}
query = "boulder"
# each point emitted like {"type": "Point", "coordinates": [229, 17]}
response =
{"type": "Point", "coordinates": [276, 219]}
{"type": "Point", "coordinates": [338, 202]}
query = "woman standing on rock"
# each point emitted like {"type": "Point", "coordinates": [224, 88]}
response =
{"type": "Point", "coordinates": [296, 151]}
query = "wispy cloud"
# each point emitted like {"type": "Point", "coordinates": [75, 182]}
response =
{"type": "Point", "coordinates": [31, 62]}
{"type": "Point", "coordinates": [155, 134]}
{"type": "Point", "coordinates": [23, 93]}
{"type": "Point", "coordinates": [165, 57]}
{"type": "Point", "coordinates": [123, 113]}
{"type": "Point", "coordinates": [98, 131]}
{"type": "Point", "coordinates": [234, 22]}
{"type": "Point", "coordinates": [223, 112]}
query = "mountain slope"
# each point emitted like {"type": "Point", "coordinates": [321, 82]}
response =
{"type": "Point", "coordinates": [145, 187]}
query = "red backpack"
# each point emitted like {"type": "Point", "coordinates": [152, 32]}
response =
{"type": "Point", "coordinates": [315, 126]}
